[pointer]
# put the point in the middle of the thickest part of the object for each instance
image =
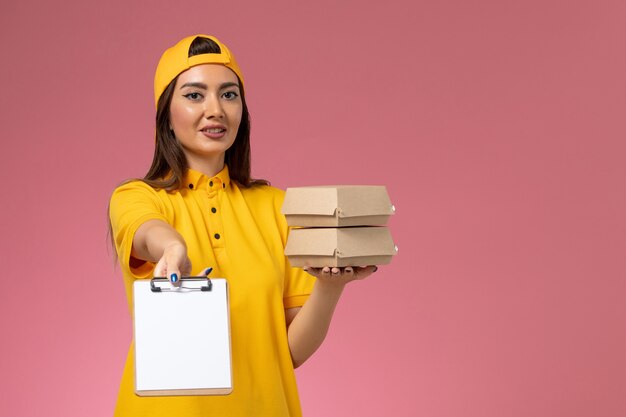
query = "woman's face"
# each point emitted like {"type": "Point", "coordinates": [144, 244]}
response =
{"type": "Point", "coordinates": [205, 112]}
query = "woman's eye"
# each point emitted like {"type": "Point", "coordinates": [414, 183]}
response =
{"type": "Point", "coordinates": [230, 95]}
{"type": "Point", "coordinates": [194, 96]}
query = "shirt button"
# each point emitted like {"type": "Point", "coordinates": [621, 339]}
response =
{"type": "Point", "coordinates": [210, 183]}
{"type": "Point", "coordinates": [223, 185]}
{"type": "Point", "coordinates": [217, 235]}
{"type": "Point", "coordinates": [191, 186]}
{"type": "Point", "coordinates": [213, 210]}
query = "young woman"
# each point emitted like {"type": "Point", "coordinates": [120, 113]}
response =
{"type": "Point", "coordinates": [198, 207]}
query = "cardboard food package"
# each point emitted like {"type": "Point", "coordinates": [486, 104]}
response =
{"type": "Point", "coordinates": [337, 206]}
{"type": "Point", "coordinates": [340, 247]}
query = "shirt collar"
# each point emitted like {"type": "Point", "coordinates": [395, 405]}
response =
{"type": "Point", "coordinates": [196, 180]}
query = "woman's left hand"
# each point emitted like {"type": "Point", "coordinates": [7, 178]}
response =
{"type": "Point", "coordinates": [341, 276]}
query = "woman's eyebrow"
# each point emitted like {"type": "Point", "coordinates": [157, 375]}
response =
{"type": "Point", "coordinates": [196, 84]}
{"type": "Point", "coordinates": [205, 87]}
{"type": "Point", "coordinates": [229, 84]}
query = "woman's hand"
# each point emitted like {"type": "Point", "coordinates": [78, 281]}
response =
{"type": "Point", "coordinates": [174, 263]}
{"type": "Point", "coordinates": [340, 276]}
{"type": "Point", "coordinates": [157, 241]}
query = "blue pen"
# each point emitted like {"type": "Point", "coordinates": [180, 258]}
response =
{"type": "Point", "coordinates": [207, 271]}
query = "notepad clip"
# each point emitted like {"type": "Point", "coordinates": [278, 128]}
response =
{"type": "Point", "coordinates": [192, 284]}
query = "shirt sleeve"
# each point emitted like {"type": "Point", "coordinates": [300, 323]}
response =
{"type": "Point", "coordinates": [298, 287]}
{"type": "Point", "coordinates": [131, 205]}
{"type": "Point", "coordinates": [298, 284]}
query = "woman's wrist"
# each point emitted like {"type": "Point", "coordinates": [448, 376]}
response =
{"type": "Point", "coordinates": [329, 287]}
{"type": "Point", "coordinates": [175, 245]}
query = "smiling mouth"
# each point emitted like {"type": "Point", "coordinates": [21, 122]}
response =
{"type": "Point", "coordinates": [214, 133]}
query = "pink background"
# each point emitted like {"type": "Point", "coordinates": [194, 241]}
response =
{"type": "Point", "coordinates": [497, 126]}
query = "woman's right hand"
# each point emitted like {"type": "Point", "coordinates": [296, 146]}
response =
{"type": "Point", "coordinates": [157, 241]}
{"type": "Point", "coordinates": [174, 263]}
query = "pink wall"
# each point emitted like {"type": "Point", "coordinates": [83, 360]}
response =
{"type": "Point", "coordinates": [497, 127]}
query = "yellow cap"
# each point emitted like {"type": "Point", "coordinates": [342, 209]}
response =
{"type": "Point", "coordinates": [176, 60]}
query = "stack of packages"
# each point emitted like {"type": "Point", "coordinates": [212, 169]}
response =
{"type": "Point", "coordinates": [338, 226]}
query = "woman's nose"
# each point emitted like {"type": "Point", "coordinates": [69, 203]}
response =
{"type": "Point", "coordinates": [213, 107]}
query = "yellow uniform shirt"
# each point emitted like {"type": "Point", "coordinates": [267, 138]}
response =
{"type": "Point", "coordinates": [241, 233]}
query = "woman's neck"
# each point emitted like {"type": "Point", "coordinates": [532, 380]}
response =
{"type": "Point", "coordinates": [208, 165]}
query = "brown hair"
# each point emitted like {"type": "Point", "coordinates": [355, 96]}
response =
{"type": "Point", "coordinates": [169, 163]}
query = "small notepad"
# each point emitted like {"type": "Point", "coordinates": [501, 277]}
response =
{"type": "Point", "coordinates": [182, 337]}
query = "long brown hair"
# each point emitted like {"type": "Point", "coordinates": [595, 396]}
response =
{"type": "Point", "coordinates": [169, 163]}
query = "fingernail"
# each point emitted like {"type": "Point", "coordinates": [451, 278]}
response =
{"type": "Point", "coordinates": [305, 269]}
{"type": "Point", "coordinates": [375, 269]}
{"type": "Point", "coordinates": [173, 277]}
{"type": "Point", "coordinates": [349, 270]}
{"type": "Point", "coordinates": [207, 271]}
